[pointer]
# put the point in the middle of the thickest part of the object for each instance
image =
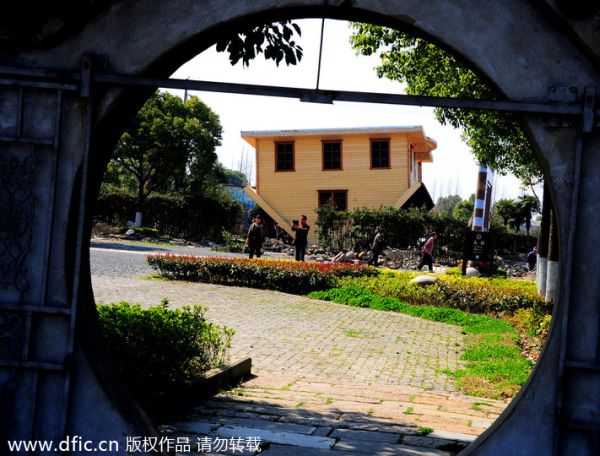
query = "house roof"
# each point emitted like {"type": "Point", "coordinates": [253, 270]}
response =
{"type": "Point", "coordinates": [416, 196]}
{"type": "Point", "coordinates": [424, 144]}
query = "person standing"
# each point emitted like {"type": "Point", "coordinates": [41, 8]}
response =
{"type": "Point", "coordinates": [532, 259]}
{"type": "Point", "coordinates": [427, 251]}
{"type": "Point", "coordinates": [301, 239]}
{"type": "Point", "coordinates": [255, 238]}
{"type": "Point", "coordinates": [377, 247]}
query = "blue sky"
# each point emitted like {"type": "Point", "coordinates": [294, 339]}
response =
{"type": "Point", "coordinates": [453, 170]}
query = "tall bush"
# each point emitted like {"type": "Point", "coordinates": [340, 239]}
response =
{"type": "Point", "coordinates": [193, 217]}
{"type": "Point", "coordinates": [354, 230]}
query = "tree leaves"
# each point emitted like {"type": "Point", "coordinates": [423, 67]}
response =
{"type": "Point", "coordinates": [495, 139]}
{"type": "Point", "coordinates": [247, 44]}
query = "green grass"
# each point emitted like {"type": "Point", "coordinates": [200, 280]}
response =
{"type": "Point", "coordinates": [155, 276]}
{"type": "Point", "coordinates": [409, 411]}
{"type": "Point", "coordinates": [494, 365]}
{"type": "Point", "coordinates": [353, 333]}
{"type": "Point", "coordinates": [425, 430]}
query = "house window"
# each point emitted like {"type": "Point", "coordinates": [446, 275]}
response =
{"type": "Point", "coordinates": [380, 153]}
{"type": "Point", "coordinates": [332, 155]}
{"type": "Point", "coordinates": [335, 199]}
{"type": "Point", "coordinates": [284, 156]}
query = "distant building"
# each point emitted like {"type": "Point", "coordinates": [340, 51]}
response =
{"type": "Point", "coordinates": [238, 194]}
{"type": "Point", "coordinates": [298, 171]}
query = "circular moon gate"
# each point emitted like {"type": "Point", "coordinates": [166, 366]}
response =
{"type": "Point", "coordinates": [56, 137]}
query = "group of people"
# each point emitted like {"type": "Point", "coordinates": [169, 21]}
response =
{"type": "Point", "coordinates": [256, 237]}
{"type": "Point", "coordinates": [426, 250]}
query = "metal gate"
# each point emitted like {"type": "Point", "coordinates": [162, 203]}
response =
{"type": "Point", "coordinates": [38, 285]}
{"type": "Point", "coordinates": [43, 177]}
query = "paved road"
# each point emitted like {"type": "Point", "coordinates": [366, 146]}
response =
{"type": "Point", "coordinates": [116, 258]}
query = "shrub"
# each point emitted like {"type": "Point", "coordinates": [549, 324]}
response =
{"type": "Point", "coordinates": [231, 244]}
{"type": "Point", "coordinates": [476, 295]}
{"type": "Point", "coordinates": [532, 322]}
{"type": "Point", "coordinates": [157, 350]}
{"type": "Point", "coordinates": [193, 217]}
{"type": "Point", "coordinates": [403, 228]}
{"type": "Point", "coordinates": [140, 231]}
{"type": "Point", "coordinates": [283, 275]}
{"type": "Point", "coordinates": [457, 271]}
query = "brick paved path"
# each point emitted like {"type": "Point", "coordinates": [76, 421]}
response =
{"type": "Point", "coordinates": [329, 377]}
{"type": "Point", "coordinates": [296, 335]}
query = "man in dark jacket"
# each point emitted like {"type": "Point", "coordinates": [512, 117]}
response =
{"type": "Point", "coordinates": [377, 247]}
{"type": "Point", "coordinates": [256, 237]}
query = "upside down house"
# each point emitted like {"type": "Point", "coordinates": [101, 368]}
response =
{"type": "Point", "coordinates": [298, 171]}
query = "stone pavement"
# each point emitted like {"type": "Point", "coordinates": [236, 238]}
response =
{"type": "Point", "coordinates": [326, 375]}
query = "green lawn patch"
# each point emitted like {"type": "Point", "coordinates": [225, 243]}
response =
{"type": "Point", "coordinates": [494, 365]}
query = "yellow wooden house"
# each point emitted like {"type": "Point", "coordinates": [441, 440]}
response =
{"type": "Point", "coordinates": [299, 170]}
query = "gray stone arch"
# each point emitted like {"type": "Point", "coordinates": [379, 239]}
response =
{"type": "Point", "coordinates": [523, 48]}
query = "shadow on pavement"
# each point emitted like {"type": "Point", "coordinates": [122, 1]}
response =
{"type": "Point", "coordinates": [129, 247]}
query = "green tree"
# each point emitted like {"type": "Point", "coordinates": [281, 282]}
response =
{"type": "Point", "coordinates": [505, 208]}
{"type": "Point", "coordinates": [231, 177]}
{"type": "Point", "coordinates": [445, 204]}
{"type": "Point", "coordinates": [169, 146]}
{"type": "Point", "coordinates": [463, 210]}
{"type": "Point", "coordinates": [495, 139]}
{"type": "Point", "coordinates": [527, 206]}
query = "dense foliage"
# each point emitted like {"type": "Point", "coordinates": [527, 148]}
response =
{"type": "Point", "coordinates": [169, 146]}
{"type": "Point", "coordinates": [192, 217]}
{"type": "Point", "coordinates": [157, 350]}
{"type": "Point", "coordinates": [289, 276]}
{"type": "Point", "coordinates": [476, 295]}
{"type": "Point", "coordinates": [495, 139]}
{"type": "Point", "coordinates": [494, 364]}
{"type": "Point", "coordinates": [403, 229]}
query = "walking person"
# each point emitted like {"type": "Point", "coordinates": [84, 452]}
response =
{"type": "Point", "coordinates": [301, 239]}
{"type": "Point", "coordinates": [427, 251]}
{"type": "Point", "coordinates": [255, 238]}
{"type": "Point", "coordinates": [377, 247]}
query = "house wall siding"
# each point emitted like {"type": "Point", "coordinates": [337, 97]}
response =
{"type": "Point", "coordinates": [292, 193]}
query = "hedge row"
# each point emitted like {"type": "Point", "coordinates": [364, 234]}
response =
{"type": "Point", "coordinates": [473, 295]}
{"type": "Point", "coordinates": [158, 350]}
{"type": "Point", "coordinates": [192, 217]}
{"type": "Point", "coordinates": [282, 275]}
{"type": "Point", "coordinates": [403, 228]}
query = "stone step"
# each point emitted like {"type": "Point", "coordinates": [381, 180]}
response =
{"type": "Point", "coordinates": [300, 415]}
{"type": "Point", "coordinates": [419, 404]}
{"type": "Point", "coordinates": [407, 413]}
